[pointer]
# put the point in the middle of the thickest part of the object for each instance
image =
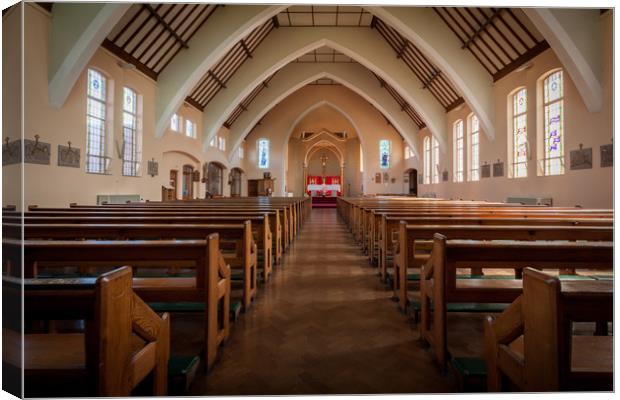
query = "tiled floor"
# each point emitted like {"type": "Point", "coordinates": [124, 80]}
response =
{"type": "Point", "coordinates": [323, 325]}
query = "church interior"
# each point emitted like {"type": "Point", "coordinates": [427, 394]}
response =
{"type": "Point", "coordinates": [206, 199]}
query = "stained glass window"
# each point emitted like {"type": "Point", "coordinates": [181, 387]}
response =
{"type": "Point", "coordinates": [459, 149]}
{"type": "Point", "coordinates": [553, 113]}
{"type": "Point", "coordinates": [474, 149]}
{"type": "Point", "coordinates": [435, 160]}
{"type": "Point", "coordinates": [263, 153]}
{"type": "Point", "coordinates": [384, 153]}
{"type": "Point", "coordinates": [96, 160]}
{"type": "Point", "coordinates": [519, 134]}
{"type": "Point", "coordinates": [427, 160]}
{"type": "Point", "coordinates": [131, 141]}
{"type": "Point", "coordinates": [190, 129]}
{"type": "Point", "coordinates": [175, 123]}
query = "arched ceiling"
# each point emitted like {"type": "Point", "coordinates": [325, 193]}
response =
{"type": "Point", "coordinates": [197, 52]}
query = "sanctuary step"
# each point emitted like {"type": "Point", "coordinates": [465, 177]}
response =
{"type": "Point", "coordinates": [324, 202]}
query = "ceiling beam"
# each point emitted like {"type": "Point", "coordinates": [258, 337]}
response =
{"type": "Point", "coordinates": [163, 22]}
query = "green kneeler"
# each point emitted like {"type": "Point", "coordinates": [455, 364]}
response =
{"type": "Point", "coordinates": [181, 374]}
{"type": "Point", "coordinates": [416, 306]}
{"type": "Point", "coordinates": [193, 306]}
{"type": "Point", "coordinates": [471, 373]}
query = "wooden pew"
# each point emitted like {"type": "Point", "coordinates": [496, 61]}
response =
{"type": "Point", "coordinates": [123, 342]}
{"type": "Point", "coordinates": [410, 236]}
{"type": "Point", "coordinates": [260, 224]}
{"type": "Point", "coordinates": [210, 286]}
{"type": "Point", "coordinates": [532, 345]}
{"type": "Point", "coordinates": [244, 256]}
{"type": "Point", "coordinates": [439, 286]}
{"type": "Point", "coordinates": [390, 225]}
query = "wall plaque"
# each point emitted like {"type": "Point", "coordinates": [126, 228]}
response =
{"type": "Point", "coordinates": [581, 159]}
{"type": "Point", "coordinates": [68, 156]}
{"type": "Point", "coordinates": [498, 169]}
{"type": "Point", "coordinates": [485, 171]}
{"type": "Point", "coordinates": [378, 177]}
{"type": "Point", "coordinates": [36, 152]}
{"type": "Point", "coordinates": [386, 177]}
{"type": "Point", "coordinates": [607, 155]}
{"type": "Point", "coordinates": [11, 152]}
{"type": "Point", "coordinates": [153, 168]}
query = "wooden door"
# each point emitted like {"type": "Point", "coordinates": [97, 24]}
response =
{"type": "Point", "coordinates": [188, 184]}
{"type": "Point", "coordinates": [174, 176]}
{"type": "Point", "coordinates": [252, 187]}
{"type": "Point", "coordinates": [413, 182]}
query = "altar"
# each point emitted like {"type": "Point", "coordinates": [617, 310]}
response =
{"type": "Point", "coordinates": [323, 190]}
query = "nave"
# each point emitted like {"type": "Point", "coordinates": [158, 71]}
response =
{"type": "Point", "coordinates": [324, 325]}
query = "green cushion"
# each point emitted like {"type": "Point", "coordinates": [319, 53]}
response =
{"type": "Point", "coordinates": [465, 307]}
{"type": "Point", "coordinates": [181, 365]}
{"type": "Point", "coordinates": [575, 278]}
{"type": "Point", "coordinates": [602, 277]}
{"type": "Point", "coordinates": [469, 366]}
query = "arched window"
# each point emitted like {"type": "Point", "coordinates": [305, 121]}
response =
{"type": "Point", "coordinates": [132, 152]}
{"type": "Point", "coordinates": [263, 153]}
{"type": "Point", "coordinates": [553, 123]}
{"type": "Point", "coordinates": [459, 150]}
{"type": "Point", "coordinates": [435, 144]}
{"type": "Point", "coordinates": [427, 160]}
{"type": "Point", "coordinates": [175, 123]}
{"type": "Point", "coordinates": [519, 146]}
{"type": "Point", "coordinates": [384, 153]}
{"type": "Point", "coordinates": [96, 121]}
{"type": "Point", "coordinates": [473, 158]}
{"type": "Point", "coordinates": [408, 152]}
{"type": "Point", "coordinates": [190, 129]}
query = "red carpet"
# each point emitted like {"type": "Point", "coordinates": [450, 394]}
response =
{"type": "Point", "coordinates": [324, 202]}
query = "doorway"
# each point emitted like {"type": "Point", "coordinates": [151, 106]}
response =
{"type": "Point", "coordinates": [215, 179]}
{"type": "Point", "coordinates": [235, 182]}
{"type": "Point", "coordinates": [413, 182]}
{"type": "Point", "coordinates": [188, 183]}
{"type": "Point", "coordinates": [174, 174]}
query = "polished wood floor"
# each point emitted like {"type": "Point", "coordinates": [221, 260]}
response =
{"type": "Point", "coordinates": [323, 325]}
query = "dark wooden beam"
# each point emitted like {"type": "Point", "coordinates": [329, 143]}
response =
{"type": "Point", "coordinates": [194, 103]}
{"type": "Point", "coordinates": [245, 48]}
{"type": "Point", "coordinates": [522, 59]}
{"type": "Point", "coordinates": [275, 21]}
{"type": "Point", "coordinates": [434, 75]}
{"type": "Point", "coordinates": [455, 104]}
{"type": "Point", "coordinates": [481, 28]}
{"type": "Point", "coordinates": [216, 79]}
{"type": "Point", "coordinates": [123, 55]}
{"type": "Point", "coordinates": [166, 25]}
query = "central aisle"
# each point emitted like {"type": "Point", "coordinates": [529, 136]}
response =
{"type": "Point", "coordinates": [323, 325]}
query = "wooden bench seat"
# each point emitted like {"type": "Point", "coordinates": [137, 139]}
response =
{"type": "Point", "coordinates": [210, 285]}
{"type": "Point", "coordinates": [439, 285]}
{"type": "Point", "coordinates": [532, 343]}
{"type": "Point", "coordinates": [123, 342]}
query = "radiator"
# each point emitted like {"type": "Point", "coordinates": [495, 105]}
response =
{"type": "Point", "coordinates": [531, 201]}
{"type": "Point", "coordinates": [117, 198]}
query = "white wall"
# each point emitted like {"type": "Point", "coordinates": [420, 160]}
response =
{"type": "Point", "coordinates": [52, 185]}
{"type": "Point", "coordinates": [589, 187]}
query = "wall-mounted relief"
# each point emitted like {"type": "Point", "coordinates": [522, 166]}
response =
{"type": "Point", "coordinates": [607, 155]}
{"type": "Point", "coordinates": [11, 152]}
{"type": "Point", "coordinates": [444, 176]}
{"type": "Point", "coordinates": [68, 156]}
{"type": "Point", "coordinates": [36, 152]}
{"type": "Point", "coordinates": [485, 171]}
{"type": "Point", "coordinates": [386, 177]}
{"type": "Point", "coordinates": [378, 177]}
{"type": "Point", "coordinates": [153, 168]}
{"type": "Point", "coordinates": [581, 159]}
{"type": "Point", "coordinates": [498, 169]}
{"type": "Point", "coordinates": [393, 180]}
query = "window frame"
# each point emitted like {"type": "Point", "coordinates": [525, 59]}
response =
{"type": "Point", "coordinates": [389, 153]}
{"type": "Point", "coordinates": [458, 138]}
{"type": "Point", "coordinates": [473, 149]}
{"type": "Point", "coordinates": [188, 123]}
{"type": "Point", "coordinates": [435, 158]}
{"type": "Point", "coordinates": [545, 161]}
{"type": "Point", "coordinates": [258, 153]}
{"type": "Point", "coordinates": [178, 123]}
{"type": "Point", "coordinates": [516, 118]}
{"type": "Point", "coordinates": [102, 160]}
{"type": "Point", "coordinates": [427, 160]}
{"type": "Point", "coordinates": [131, 159]}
